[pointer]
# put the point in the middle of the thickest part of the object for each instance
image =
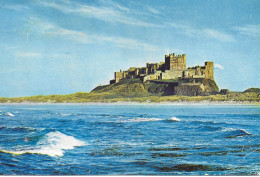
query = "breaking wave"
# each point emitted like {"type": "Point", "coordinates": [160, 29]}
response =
{"type": "Point", "coordinates": [233, 133]}
{"type": "Point", "coordinates": [52, 144]}
{"type": "Point", "coordinates": [173, 119]}
{"type": "Point", "coordinates": [9, 114]}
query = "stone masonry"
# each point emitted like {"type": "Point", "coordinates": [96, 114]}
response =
{"type": "Point", "coordinates": [173, 68]}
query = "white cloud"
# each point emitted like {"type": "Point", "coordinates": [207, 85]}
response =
{"type": "Point", "coordinates": [219, 35]}
{"type": "Point", "coordinates": [134, 44]}
{"type": "Point", "coordinates": [51, 30]}
{"type": "Point", "coordinates": [115, 5]}
{"type": "Point", "coordinates": [218, 66]}
{"type": "Point", "coordinates": [28, 54]}
{"type": "Point", "coordinates": [16, 7]}
{"type": "Point", "coordinates": [113, 13]}
{"type": "Point", "coordinates": [250, 30]}
{"type": "Point", "coordinates": [202, 33]}
{"type": "Point", "coordinates": [153, 10]}
{"type": "Point", "coordinates": [7, 47]}
{"type": "Point", "coordinates": [62, 56]}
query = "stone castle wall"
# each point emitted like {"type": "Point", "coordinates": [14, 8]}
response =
{"type": "Point", "coordinates": [174, 67]}
{"type": "Point", "coordinates": [155, 76]}
{"type": "Point", "coordinates": [172, 74]}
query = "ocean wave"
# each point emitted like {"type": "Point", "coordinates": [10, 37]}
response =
{"type": "Point", "coordinates": [20, 129]}
{"type": "Point", "coordinates": [139, 119]}
{"type": "Point", "coordinates": [100, 115]}
{"type": "Point", "coordinates": [52, 144]}
{"type": "Point", "coordinates": [201, 122]}
{"type": "Point", "coordinates": [142, 115]}
{"type": "Point", "coordinates": [9, 114]}
{"type": "Point", "coordinates": [210, 128]}
{"type": "Point", "coordinates": [108, 116]}
{"type": "Point", "coordinates": [233, 133]}
{"type": "Point", "coordinates": [66, 114]}
{"type": "Point", "coordinates": [173, 119]}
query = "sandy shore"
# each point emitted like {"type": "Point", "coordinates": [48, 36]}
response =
{"type": "Point", "coordinates": [144, 103]}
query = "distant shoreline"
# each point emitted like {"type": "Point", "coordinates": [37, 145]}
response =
{"type": "Point", "coordinates": [143, 103]}
{"type": "Point", "coordinates": [252, 97]}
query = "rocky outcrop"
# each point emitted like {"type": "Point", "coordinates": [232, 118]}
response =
{"type": "Point", "coordinates": [190, 89]}
{"type": "Point", "coordinates": [210, 86]}
{"type": "Point", "coordinates": [224, 91]}
{"type": "Point", "coordinates": [134, 87]}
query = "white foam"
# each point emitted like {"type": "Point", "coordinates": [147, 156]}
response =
{"type": "Point", "coordinates": [243, 132]}
{"type": "Point", "coordinates": [174, 119]}
{"type": "Point", "coordinates": [227, 129]}
{"type": "Point", "coordinates": [142, 120]}
{"type": "Point", "coordinates": [52, 144]}
{"type": "Point", "coordinates": [66, 114]}
{"type": "Point", "coordinates": [9, 114]}
{"type": "Point", "coordinates": [233, 130]}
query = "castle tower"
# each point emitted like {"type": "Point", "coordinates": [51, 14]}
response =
{"type": "Point", "coordinates": [118, 76]}
{"type": "Point", "coordinates": [175, 62]}
{"type": "Point", "coordinates": [209, 70]}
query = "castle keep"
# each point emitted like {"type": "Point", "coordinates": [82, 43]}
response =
{"type": "Point", "coordinates": [174, 68]}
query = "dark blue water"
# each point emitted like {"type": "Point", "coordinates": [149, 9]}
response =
{"type": "Point", "coordinates": [129, 140]}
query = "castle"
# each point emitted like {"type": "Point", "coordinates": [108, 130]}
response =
{"type": "Point", "coordinates": [174, 68]}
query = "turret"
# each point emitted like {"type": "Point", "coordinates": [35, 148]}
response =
{"type": "Point", "coordinates": [118, 76]}
{"type": "Point", "coordinates": [209, 70]}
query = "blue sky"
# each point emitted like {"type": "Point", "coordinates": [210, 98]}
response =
{"type": "Point", "coordinates": [64, 46]}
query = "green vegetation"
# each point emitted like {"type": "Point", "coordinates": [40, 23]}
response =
{"type": "Point", "coordinates": [106, 97]}
{"type": "Point", "coordinates": [166, 80]}
{"type": "Point", "coordinates": [256, 90]}
{"type": "Point", "coordinates": [136, 91]}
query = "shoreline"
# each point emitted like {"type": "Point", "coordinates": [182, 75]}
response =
{"type": "Point", "coordinates": [143, 103]}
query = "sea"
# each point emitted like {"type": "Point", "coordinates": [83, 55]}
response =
{"type": "Point", "coordinates": [148, 139]}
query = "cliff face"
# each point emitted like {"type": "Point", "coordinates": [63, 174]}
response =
{"type": "Point", "coordinates": [135, 88]}
{"type": "Point", "coordinates": [190, 90]}
{"type": "Point", "coordinates": [124, 88]}
{"type": "Point", "coordinates": [210, 86]}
